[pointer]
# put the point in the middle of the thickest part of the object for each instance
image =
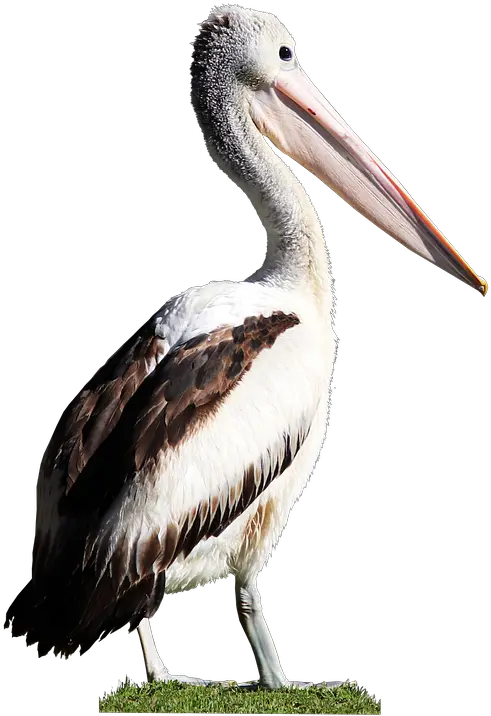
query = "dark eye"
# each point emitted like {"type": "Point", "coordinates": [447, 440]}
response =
{"type": "Point", "coordinates": [285, 53]}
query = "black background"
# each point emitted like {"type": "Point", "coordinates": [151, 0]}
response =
{"type": "Point", "coordinates": [379, 576]}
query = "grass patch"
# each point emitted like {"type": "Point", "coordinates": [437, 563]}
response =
{"type": "Point", "coordinates": [173, 697]}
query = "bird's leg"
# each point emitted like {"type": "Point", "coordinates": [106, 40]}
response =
{"type": "Point", "coordinates": [153, 663]}
{"type": "Point", "coordinates": [156, 671]}
{"type": "Point", "coordinates": [251, 617]}
{"type": "Point", "coordinates": [271, 675]}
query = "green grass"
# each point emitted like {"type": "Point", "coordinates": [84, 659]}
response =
{"type": "Point", "coordinates": [159, 697]}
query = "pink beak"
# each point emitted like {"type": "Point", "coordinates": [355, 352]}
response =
{"type": "Point", "coordinates": [298, 119]}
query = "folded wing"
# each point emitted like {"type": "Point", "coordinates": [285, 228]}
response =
{"type": "Point", "coordinates": [98, 563]}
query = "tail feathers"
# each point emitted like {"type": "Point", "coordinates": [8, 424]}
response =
{"type": "Point", "coordinates": [73, 621]}
{"type": "Point", "coordinates": [41, 643]}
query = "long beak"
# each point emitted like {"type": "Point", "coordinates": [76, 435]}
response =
{"type": "Point", "coordinates": [296, 117]}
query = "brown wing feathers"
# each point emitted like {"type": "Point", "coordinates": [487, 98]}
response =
{"type": "Point", "coordinates": [138, 405]}
{"type": "Point", "coordinates": [96, 410]}
{"type": "Point", "coordinates": [193, 380]}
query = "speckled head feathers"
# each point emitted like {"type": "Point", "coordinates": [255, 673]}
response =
{"type": "Point", "coordinates": [241, 40]}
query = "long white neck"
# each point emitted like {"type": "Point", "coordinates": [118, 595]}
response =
{"type": "Point", "coordinates": [296, 252]}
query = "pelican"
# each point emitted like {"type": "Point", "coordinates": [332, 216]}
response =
{"type": "Point", "coordinates": [178, 462]}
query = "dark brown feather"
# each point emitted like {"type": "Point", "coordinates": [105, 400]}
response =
{"type": "Point", "coordinates": [193, 380]}
{"type": "Point", "coordinates": [93, 414]}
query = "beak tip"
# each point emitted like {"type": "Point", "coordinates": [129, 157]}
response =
{"type": "Point", "coordinates": [483, 288]}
